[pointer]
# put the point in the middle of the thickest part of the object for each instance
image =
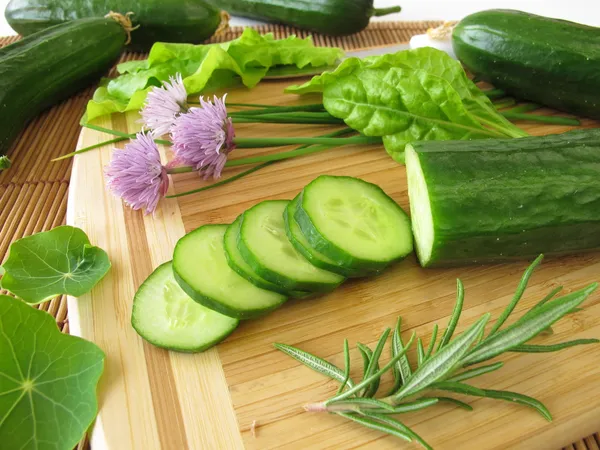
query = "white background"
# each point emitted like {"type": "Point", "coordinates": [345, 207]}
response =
{"type": "Point", "coordinates": [583, 11]}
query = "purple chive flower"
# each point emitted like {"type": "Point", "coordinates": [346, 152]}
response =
{"type": "Point", "coordinates": [163, 105]}
{"type": "Point", "coordinates": [203, 137]}
{"type": "Point", "coordinates": [136, 174]}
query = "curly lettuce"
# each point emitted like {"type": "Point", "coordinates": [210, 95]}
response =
{"type": "Point", "coordinates": [245, 60]}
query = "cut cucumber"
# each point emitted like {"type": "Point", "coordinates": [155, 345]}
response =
{"type": "Point", "coordinates": [201, 269]}
{"type": "Point", "coordinates": [164, 315]}
{"type": "Point", "coordinates": [504, 199]}
{"type": "Point", "coordinates": [237, 263]}
{"type": "Point", "coordinates": [316, 258]}
{"type": "Point", "coordinates": [354, 223]}
{"type": "Point", "coordinates": [265, 247]}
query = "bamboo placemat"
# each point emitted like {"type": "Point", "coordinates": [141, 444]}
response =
{"type": "Point", "coordinates": [33, 193]}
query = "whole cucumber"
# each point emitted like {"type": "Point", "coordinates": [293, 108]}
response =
{"type": "Point", "coordinates": [548, 61]}
{"type": "Point", "coordinates": [333, 17]}
{"type": "Point", "coordinates": [49, 66]}
{"type": "Point", "coordinates": [191, 21]}
{"type": "Point", "coordinates": [496, 199]}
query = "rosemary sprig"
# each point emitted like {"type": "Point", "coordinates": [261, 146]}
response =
{"type": "Point", "coordinates": [445, 369]}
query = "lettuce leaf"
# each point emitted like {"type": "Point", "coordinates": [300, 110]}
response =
{"type": "Point", "coordinates": [205, 68]}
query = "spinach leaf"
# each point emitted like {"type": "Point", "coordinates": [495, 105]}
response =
{"type": "Point", "coordinates": [402, 105]}
{"type": "Point", "coordinates": [206, 67]}
{"type": "Point", "coordinates": [434, 62]}
{"type": "Point", "coordinates": [47, 380]}
{"type": "Point", "coordinates": [60, 261]}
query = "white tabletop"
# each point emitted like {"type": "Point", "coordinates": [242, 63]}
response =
{"type": "Point", "coordinates": [583, 11]}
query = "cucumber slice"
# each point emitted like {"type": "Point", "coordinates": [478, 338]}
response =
{"type": "Point", "coordinates": [316, 258]}
{"type": "Point", "coordinates": [237, 263]}
{"type": "Point", "coordinates": [164, 315]}
{"type": "Point", "coordinates": [354, 223]}
{"type": "Point", "coordinates": [265, 246]}
{"type": "Point", "coordinates": [201, 269]}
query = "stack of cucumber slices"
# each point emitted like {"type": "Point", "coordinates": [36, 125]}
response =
{"type": "Point", "coordinates": [336, 228]}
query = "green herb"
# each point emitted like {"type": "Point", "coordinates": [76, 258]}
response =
{"type": "Point", "coordinates": [446, 368]}
{"type": "Point", "coordinates": [48, 380]}
{"type": "Point", "coordinates": [60, 261]}
{"type": "Point", "coordinates": [247, 59]}
{"type": "Point", "coordinates": [557, 120]}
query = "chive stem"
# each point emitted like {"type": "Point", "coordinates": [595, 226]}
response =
{"type": "Point", "coordinates": [223, 182]}
{"type": "Point", "coordinates": [538, 118]}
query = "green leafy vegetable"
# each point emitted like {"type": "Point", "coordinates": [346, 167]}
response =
{"type": "Point", "coordinates": [4, 162]}
{"type": "Point", "coordinates": [60, 261]}
{"type": "Point", "coordinates": [445, 368]}
{"type": "Point", "coordinates": [47, 380]}
{"type": "Point", "coordinates": [206, 67]}
{"type": "Point", "coordinates": [432, 81]}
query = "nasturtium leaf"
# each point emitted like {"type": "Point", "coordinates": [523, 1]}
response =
{"type": "Point", "coordinates": [59, 261]}
{"type": "Point", "coordinates": [402, 105]}
{"type": "Point", "coordinates": [48, 380]}
{"type": "Point", "coordinates": [206, 67]}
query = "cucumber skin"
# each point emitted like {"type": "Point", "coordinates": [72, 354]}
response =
{"type": "Point", "coordinates": [178, 349]}
{"type": "Point", "coordinates": [277, 278]}
{"type": "Point", "coordinates": [215, 305]}
{"type": "Point", "coordinates": [332, 17]}
{"type": "Point", "coordinates": [186, 21]}
{"type": "Point", "coordinates": [513, 199]}
{"type": "Point", "coordinates": [349, 273]}
{"type": "Point", "coordinates": [263, 284]}
{"type": "Point", "coordinates": [548, 61]}
{"type": "Point", "coordinates": [45, 68]}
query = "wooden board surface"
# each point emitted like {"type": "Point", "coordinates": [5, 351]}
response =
{"type": "Point", "coordinates": [154, 399]}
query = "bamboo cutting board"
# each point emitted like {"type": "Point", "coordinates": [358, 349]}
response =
{"type": "Point", "coordinates": [154, 399]}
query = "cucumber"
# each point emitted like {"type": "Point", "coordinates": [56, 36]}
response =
{"type": "Point", "coordinates": [333, 17]}
{"type": "Point", "coordinates": [45, 68]}
{"type": "Point", "coordinates": [479, 202]}
{"type": "Point", "coordinates": [298, 240]}
{"type": "Point", "coordinates": [238, 264]}
{"type": "Point", "coordinates": [164, 315]}
{"type": "Point", "coordinates": [263, 243]}
{"type": "Point", "coordinates": [191, 21]}
{"type": "Point", "coordinates": [201, 269]}
{"type": "Point", "coordinates": [548, 61]}
{"type": "Point", "coordinates": [353, 223]}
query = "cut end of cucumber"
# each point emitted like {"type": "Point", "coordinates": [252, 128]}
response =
{"type": "Point", "coordinates": [164, 315]}
{"type": "Point", "coordinates": [420, 207]}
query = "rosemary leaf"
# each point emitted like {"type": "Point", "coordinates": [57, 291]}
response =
{"type": "Point", "coordinates": [528, 326]}
{"type": "Point", "coordinates": [364, 383]}
{"type": "Point", "coordinates": [377, 425]}
{"type": "Point", "coordinates": [401, 427]}
{"type": "Point", "coordinates": [472, 373]}
{"type": "Point", "coordinates": [459, 388]}
{"type": "Point", "coordinates": [460, 298]}
{"type": "Point", "coordinates": [420, 352]}
{"type": "Point", "coordinates": [444, 362]}
{"type": "Point", "coordinates": [432, 342]}
{"type": "Point", "coordinates": [518, 295]}
{"type": "Point", "coordinates": [366, 353]}
{"type": "Point", "coordinates": [411, 406]}
{"type": "Point", "coordinates": [359, 404]}
{"type": "Point", "coordinates": [543, 301]}
{"type": "Point", "coordinates": [346, 366]}
{"type": "Point", "coordinates": [315, 363]}
{"type": "Point", "coordinates": [458, 403]}
{"type": "Point", "coordinates": [521, 400]}
{"type": "Point", "coordinates": [372, 389]}
{"type": "Point", "coordinates": [552, 348]}
{"type": "Point", "coordinates": [402, 365]}
{"type": "Point", "coordinates": [374, 363]}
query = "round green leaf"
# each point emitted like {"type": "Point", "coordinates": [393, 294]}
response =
{"type": "Point", "coordinates": [48, 380]}
{"type": "Point", "coordinates": [55, 262]}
